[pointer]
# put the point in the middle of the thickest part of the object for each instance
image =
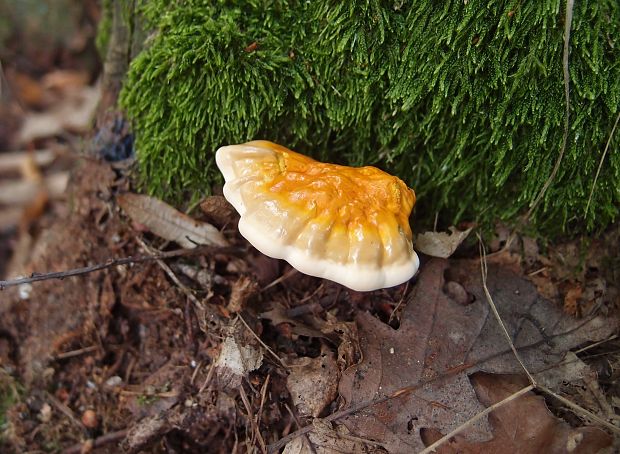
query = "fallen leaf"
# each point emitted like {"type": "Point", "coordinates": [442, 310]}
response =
{"type": "Point", "coordinates": [440, 244]}
{"type": "Point", "coordinates": [168, 223]}
{"type": "Point", "coordinates": [313, 382]}
{"type": "Point", "coordinates": [12, 161]}
{"type": "Point", "coordinates": [219, 211]}
{"type": "Point", "coordinates": [65, 80]}
{"type": "Point", "coordinates": [241, 291]}
{"type": "Point", "coordinates": [16, 193]}
{"type": "Point", "coordinates": [73, 113]}
{"type": "Point", "coordinates": [571, 298]}
{"type": "Point", "coordinates": [235, 362]}
{"type": "Point", "coordinates": [439, 339]}
{"type": "Point", "coordinates": [536, 430]}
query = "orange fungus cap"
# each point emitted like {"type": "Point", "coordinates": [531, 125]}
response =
{"type": "Point", "coordinates": [346, 224]}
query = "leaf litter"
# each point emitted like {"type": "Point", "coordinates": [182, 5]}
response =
{"type": "Point", "coordinates": [441, 341]}
{"type": "Point", "coordinates": [240, 350]}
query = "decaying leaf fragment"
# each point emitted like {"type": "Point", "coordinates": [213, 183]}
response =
{"type": "Point", "coordinates": [440, 244]}
{"type": "Point", "coordinates": [439, 339]}
{"type": "Point", "coordinates": [168, 223]}
{"type": "Point", "coordinates": [235, 362]}
{"type": "Point", "coordinates": [313, 382]}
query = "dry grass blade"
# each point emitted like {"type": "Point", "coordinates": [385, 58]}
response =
{"type": "Point", "coordinates": [280, 360]}
{"type": "Point", "coordinates": [483, 270]}
{"type": "Point", "coordinates": [255, 427]}
{"type": "Point", "coordinates": [483, 413]}
{"type": "Point", "coordinates": [600, 164]}
{"type": "Point", "coordinates": [578, 409]}
{"type": "Point", "coordinates": [168, 271]}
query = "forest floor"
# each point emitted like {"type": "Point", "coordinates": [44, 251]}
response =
{"type": "Point", "coordinates": [221, 349]}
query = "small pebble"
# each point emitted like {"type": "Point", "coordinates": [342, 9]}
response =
{"type": "Point", "coordinates": [46, 413]}
{"type": "Point", "coordinates": [114, 381]}
{"type": "Point", "coordinates": [24, 291]}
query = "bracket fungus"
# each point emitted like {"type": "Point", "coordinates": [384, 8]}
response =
{"type": "Point", "coordinates": [349, 225]}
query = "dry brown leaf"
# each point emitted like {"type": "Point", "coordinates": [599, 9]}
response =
{"type": "Point", "coordinates": [438, 338]}
{"type": "Point", "coordinates": [14, 160]}
{"type": "Point", "coordinates": [73, 113]}
{"type": "Point", "coordinates": [313, 382]}
{"type": "Point", "coordinates": [440, 244]}
{"type": "Point", "coordinates": [17, 193]}
{"type": "Point", "coordinates": [219, 211]}
{"type": "Point", "coordinates": [572, 297]}
{"type": "Point", "coordinates": [241, 291]}
{"type": "Point", "coordinates": [523, 426]}
{"type": "Point", "coordinates": [235, 362]}
{"type": "Point", "coordinates": [65, 80]}
{"type": "Point", "coordinates": [168, 223]}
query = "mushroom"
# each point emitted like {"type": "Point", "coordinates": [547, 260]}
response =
{"type": "Point", "coordinates": [346, 224]}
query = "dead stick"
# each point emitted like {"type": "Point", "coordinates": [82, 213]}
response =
{"type": "Point", "coordinates": [99, 441]}
{"type": "Point", "coordinates": [35, 277]}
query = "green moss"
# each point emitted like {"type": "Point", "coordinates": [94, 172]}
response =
{"type": "Point", "coordinates": [9, 395]}
{"type": "Point", "coordinates": [463, 100]}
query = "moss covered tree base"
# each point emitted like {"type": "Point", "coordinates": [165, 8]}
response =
{"type": "Point", "coordinates": [463, 100]}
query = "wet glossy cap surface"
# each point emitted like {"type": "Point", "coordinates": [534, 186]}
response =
{"type": "Point", "coordinates": [346, 224]}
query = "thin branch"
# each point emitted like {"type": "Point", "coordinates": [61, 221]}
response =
{"type": "Point", "coordinates": [483, 271]}
{"type": "Point", "coordinates": [578, 409]}
{"type": "Point", "coordinates": [36, 277]}
{"type": "Point", "coordinates": [472, 420]}
{"type": "Point", "coordinates": [97, 442]}
{"type": "Point", "coordinates": [253, 423]}
{"type": "Point", "coordinates": [256, 336]}
{"type": "Point", "coordinates": [168, 271]}
{"type": "Point", "coordinates": [306, 438]}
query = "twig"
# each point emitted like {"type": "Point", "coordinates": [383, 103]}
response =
{"type": "Point", "coordinates": [263, 398]}
{"type": "Point", "coordinates": [280, 360]}
{"type": "Point", "coordinates": [207, 379]}
{"type": "Point", "coordinates": [75, 353]}
{"type": "Point", "coordinates": [483, 271]}
{"type": "Point", "coordinates": [65, 410]}
{"type": "Point", "coordinates": [600, 164]}
{"type": "Point", "coordinates": [578, 409]}
{"type": "Point", "coordinates": [596, 344]}
{"type": "Point", "coordinates": [472, 420]}
{"type": "Point", "coordinates": [298, 423]}
{"type": "Point", "coordinates": [255, 428]}
{"type": "Point", "coordinates": [36, 277]}
{"type": "Point", "coordinates": [282, 278]}
{"type": "Point", "coordinates": [169, 272]}
{"type": "Point", "coordinates": [97, 442]}
{"type": "Point", "coordinates": [400, 302]}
